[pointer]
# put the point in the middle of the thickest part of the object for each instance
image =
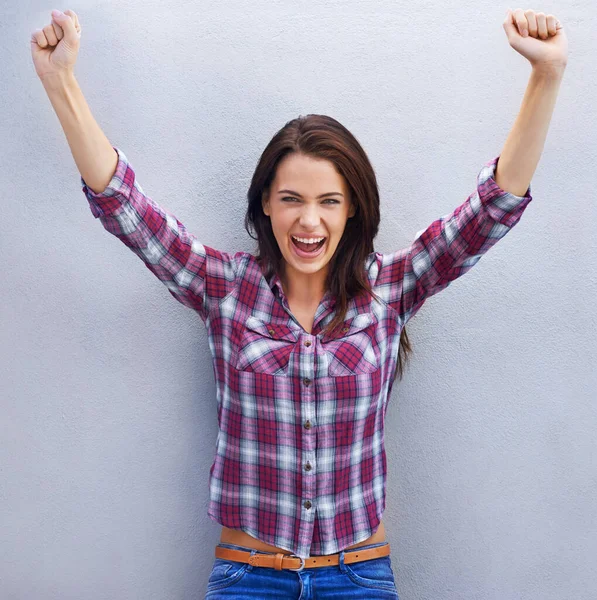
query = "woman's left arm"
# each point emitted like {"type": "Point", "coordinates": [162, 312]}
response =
{"type": "Point", "coordinates": [545, 46]}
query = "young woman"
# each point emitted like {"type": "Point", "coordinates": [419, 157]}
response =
{"type": "Point", "coordinates": [308, 335]}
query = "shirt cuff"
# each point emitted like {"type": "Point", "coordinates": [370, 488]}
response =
{"type": "Point", "coordinates": [117, 191]}
{"type": "Point", "coordinates": [503, 206]}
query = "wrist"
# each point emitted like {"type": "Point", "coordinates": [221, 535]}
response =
{"type": "Point", "coordinates": [58, 80]}
{"type": "Point", "coordinates": [549, 69]}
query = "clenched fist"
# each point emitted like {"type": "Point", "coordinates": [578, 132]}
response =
{"type": "Point", "coordinates": [54, 48]}
{"type": "Point", "coordinates": [540, 38]}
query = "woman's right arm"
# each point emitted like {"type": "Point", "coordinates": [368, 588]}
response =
{"type": "Point", "coordinates": [94, 155]}
{"type": "Point", "coordinates": [196, 275]}
{"type": "Point", "coordinates": [54, 51]}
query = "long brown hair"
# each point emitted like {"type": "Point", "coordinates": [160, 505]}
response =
{"type": "Point", "coordinates": [323, 137]}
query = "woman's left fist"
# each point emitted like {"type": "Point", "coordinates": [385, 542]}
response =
{"type": "Point", "coordinates": [538, 37]}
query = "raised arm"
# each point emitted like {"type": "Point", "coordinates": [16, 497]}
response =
{"type": "Point", "coordinates": [93, 153]}
{"type": "Point", "coordinates": [453, 244]}
{"type": "Point", "coordinates": [196, 275]}
{"type": "Point", "coordinates": [449, 247]}
{"type": "Point", "coordinates": [546, 47]}
{"type": "Point", "coordinates": [54, 51]}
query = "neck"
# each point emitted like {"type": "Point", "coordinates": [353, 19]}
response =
{"type": "Point", "coordinates": [303, 288]}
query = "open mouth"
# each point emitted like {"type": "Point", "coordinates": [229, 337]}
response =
{"type": "Point", "coordinates": [311, 248]}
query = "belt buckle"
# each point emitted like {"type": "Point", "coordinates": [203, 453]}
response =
{"type": "Point", "coordinates": [302, 563]}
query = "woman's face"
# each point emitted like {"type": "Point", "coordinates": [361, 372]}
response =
{"type": "Point", "coordinates": [308, 199]}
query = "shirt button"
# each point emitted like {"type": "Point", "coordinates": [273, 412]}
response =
{"type": "Point", "coordinates": [308, 466]}
{"type": "Point", "coordinates": [307, 382]}
{"type": "Point", "coordinates": [307, 504]}
{"type": "Point", "coordinates": [307, 424]}
{"type": "Point", "coordinates": [345, 329]}
{"type": "Point", "coordinates": [307, 343]}
{"type": "Point", "coordinates": [272, 331]}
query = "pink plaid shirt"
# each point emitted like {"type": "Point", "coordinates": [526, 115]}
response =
{"type": "Point", "coordinates": [300, 460]}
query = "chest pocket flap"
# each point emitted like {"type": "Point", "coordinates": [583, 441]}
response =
{"type": "Point", "coordinates": [351, 327]}
{"type": "Point", "coordinates": [274, 331]}
{"type": "Point", "coordinates": [352, 349]}
{"type": "Point", "coordinates": [265, 347]}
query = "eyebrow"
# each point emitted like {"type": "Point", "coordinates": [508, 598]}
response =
{"type": "Point", "coordinates": [322, 195]}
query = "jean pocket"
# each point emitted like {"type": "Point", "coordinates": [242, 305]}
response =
{"type": "Point", "coordinates": [374, 573]}
{"type": "Point", "coordinates": [224, 573]}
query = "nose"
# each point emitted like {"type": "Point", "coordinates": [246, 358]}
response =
{"type": "Point", "coordinates": [309, 218]}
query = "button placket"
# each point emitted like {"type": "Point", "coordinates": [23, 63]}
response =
{"type": "Point", "coordinates": [307, 406]}
{"type": "Point", "coordinates": [307, 423]}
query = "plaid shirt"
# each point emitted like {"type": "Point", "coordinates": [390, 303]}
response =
{"type": "Point", "coordinates": [300, 460]}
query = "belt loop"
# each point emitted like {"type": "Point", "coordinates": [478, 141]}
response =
{"type": "Point", "coordinates": [250, 566]}
{"type": "Point", "coordinates": [278, 561]}
{"type": "Point", "coordinates": [341, 561]}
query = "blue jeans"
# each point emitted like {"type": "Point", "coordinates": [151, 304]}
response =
{"type": "Point", "coordinates": [368, 579]}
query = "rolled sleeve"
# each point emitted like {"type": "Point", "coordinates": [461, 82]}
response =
{"type": "Point", "coordinates": [117, 192]}
{"type": "Point", "coordinates": [196, 275]}
{"type": "Point", "coordinates": [449, 247]}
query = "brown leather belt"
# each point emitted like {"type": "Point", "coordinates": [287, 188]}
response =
{"type": "Point", "coordinates": [292, 562]}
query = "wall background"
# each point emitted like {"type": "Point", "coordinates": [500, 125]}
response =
{"type": "Point", "coordinates": [107, 409]}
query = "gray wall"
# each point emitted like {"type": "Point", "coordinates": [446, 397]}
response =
{"type": "Point", "coordinates": [108, 413]}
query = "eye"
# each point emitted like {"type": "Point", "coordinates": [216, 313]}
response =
{"type": "Point", "coordinates": [330, 200]}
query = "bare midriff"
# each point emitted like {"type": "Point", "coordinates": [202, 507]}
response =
{"type": "Point", "coordinates": [241, 538]}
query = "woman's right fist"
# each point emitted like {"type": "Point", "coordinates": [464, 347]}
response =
{"type": "Point", "coordinates": [54, 48]}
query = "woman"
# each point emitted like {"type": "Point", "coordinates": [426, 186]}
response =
{"type": "Point", "coordinates": [307, 336]}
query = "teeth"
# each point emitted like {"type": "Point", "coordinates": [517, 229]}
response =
{"type": "Point", "coordinates": [309, 240]}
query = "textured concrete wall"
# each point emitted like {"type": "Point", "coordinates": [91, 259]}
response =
{"type": "Point", "coordinates": [107, 408]}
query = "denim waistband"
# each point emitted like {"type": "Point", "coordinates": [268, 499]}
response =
{"type": "Point", "coordinates": [247, 549]}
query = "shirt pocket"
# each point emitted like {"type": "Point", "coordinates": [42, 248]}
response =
{"type": "Point", "coordinates": [265, 347]}
{"type": "Point", "coordinates": [353, 349]}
